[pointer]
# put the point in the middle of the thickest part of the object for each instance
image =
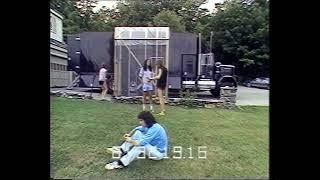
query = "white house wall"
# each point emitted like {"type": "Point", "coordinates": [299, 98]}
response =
{"type": "Point", "coordinates": [56, 23]}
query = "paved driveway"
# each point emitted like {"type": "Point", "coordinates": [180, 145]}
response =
{"type": "Point", "coordinates": [252, 96]}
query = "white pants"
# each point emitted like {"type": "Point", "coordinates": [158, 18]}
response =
{"type": "Point", "coordinates": [148, 150]}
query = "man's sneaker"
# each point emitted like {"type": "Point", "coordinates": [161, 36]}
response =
{"type": "Point", "coordinates": [115, 150]}
{"type": "Point", "coordinates": [113, 165]}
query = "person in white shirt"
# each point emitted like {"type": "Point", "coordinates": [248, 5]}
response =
{"type": "Point", "coordinates": [147, 86]}
{"type": "Point", "coordinates": [102, 80]}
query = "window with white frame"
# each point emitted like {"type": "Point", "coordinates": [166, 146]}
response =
{"type": "Point", "coordinates": [53, 24]}
{"type": "Point", "coordinates": [59, 67]}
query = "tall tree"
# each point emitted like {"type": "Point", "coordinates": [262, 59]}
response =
{"type": "Point", "coordinates": [191, 13]}
{"type": "Point", "coordinates": [240, 27]}
{"type": "Point", "coordinates": [142, 12]}
{"type": "Point", "coordinates": [78, 15]}
{"type": "Point", "coordinates": [70, 13]}
{"type": "Point", "coordinates": [87, 14]}
{"type": "Point", "coordinates": [241, 35]}
{"type": "Point", "coordinates": [170, 19]}
{"type": "Point", "coordinates": [136, 13]}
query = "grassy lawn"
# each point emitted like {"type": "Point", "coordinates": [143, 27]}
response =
{"type": "Point", "coordinates": [236, 140]}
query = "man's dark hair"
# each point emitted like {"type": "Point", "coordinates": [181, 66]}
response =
{"type": "Point", "coordinates": [145, 65]}
{"type": "Point", "coordinates": [147, 117]}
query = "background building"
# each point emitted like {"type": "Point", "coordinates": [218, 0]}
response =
{"type": "Point", "coordinates": [59, 76]}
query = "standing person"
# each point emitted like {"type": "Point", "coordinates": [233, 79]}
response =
{"type": "Point", "coordinates": [150, 138]}
{"type": "Point", "coordinates": [145, 75]}
{"type": "Point", "coordinates": [161, 84]}
{"type": "Point", "coordinates": [102, 80]}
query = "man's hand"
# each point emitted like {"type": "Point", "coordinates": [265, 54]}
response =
{"type": "Point", "coordinates": [128, 139]}
{"type": "Point", "coordinates": [125, 136]}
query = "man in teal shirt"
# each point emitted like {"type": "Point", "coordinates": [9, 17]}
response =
{"type": "Point", "coordinates": [150, 138]}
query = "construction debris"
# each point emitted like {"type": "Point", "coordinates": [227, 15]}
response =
{"type": "Point", "coordinates": [227, 99]}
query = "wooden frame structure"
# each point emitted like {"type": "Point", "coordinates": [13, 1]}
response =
{"type": "Point", "coordinates": [126, 39]}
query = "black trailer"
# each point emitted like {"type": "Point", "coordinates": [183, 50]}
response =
{"type": "Point", "coordinates": [88, 50]}
{"type": "Point", "coordinates": [124, 54]}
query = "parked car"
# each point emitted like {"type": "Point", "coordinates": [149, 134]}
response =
{"type": "Point", "coordinates": [260, 82]}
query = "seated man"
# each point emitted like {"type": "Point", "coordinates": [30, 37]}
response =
{"type": "Point", "coordinates": [149, 139]}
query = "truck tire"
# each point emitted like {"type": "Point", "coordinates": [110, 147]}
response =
{"type": "Point", "coordinates": [215, 92]}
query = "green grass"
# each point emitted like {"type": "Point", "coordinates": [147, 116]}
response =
{"type": "Point", "coordinates": [236, 140]}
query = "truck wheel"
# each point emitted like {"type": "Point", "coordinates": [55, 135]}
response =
{"type": "Point", "coordinates": [215, 93]}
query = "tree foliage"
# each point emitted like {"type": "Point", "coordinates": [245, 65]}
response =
{"type": "Point", "coordinates": [240, 28]}
{"type": "Point", "coordinates": [170, 19]}
{"type": "Point", "coordinates": [241, 36]}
